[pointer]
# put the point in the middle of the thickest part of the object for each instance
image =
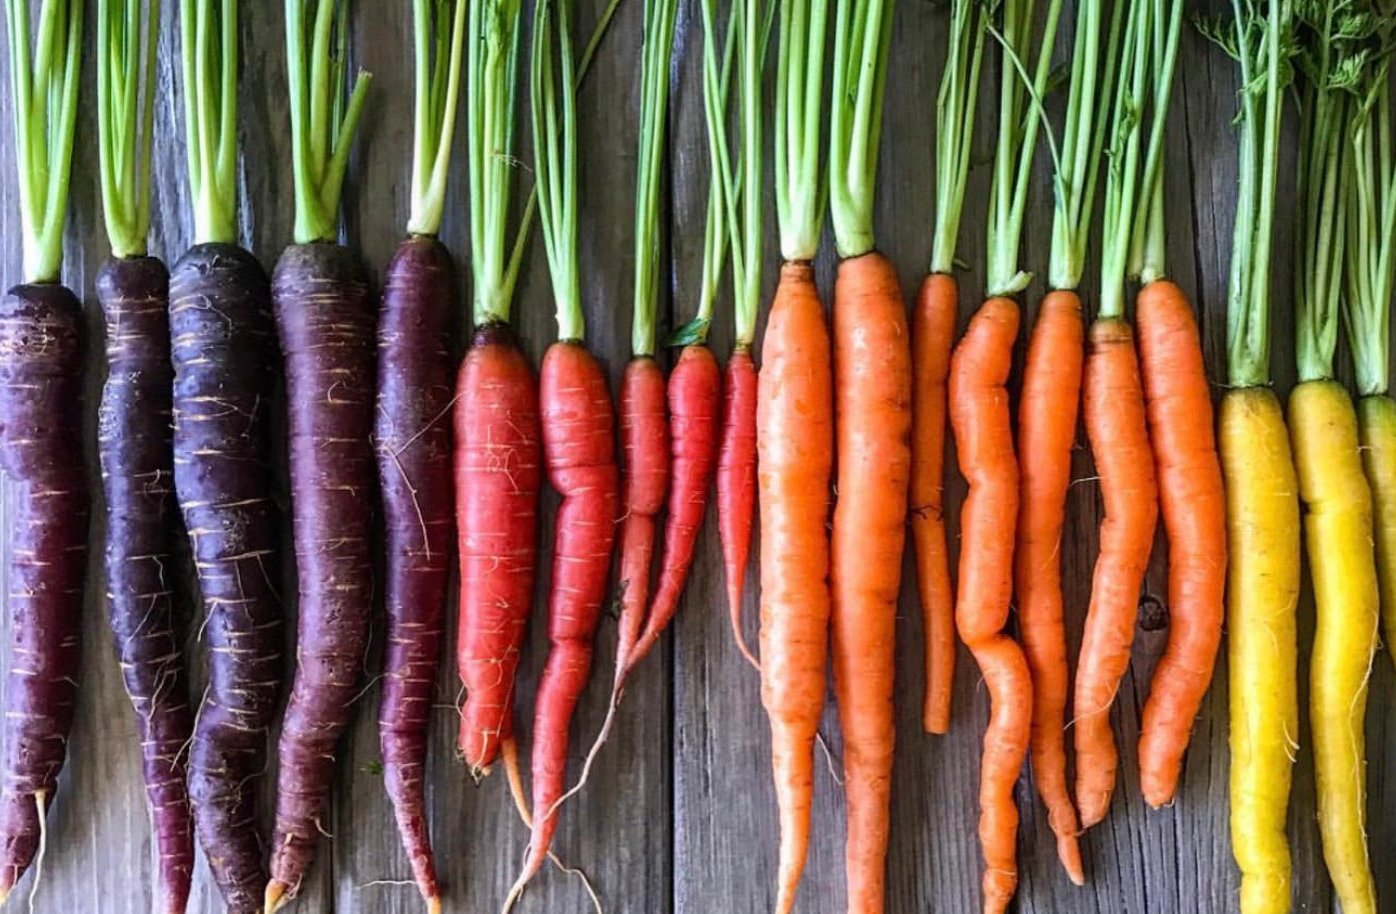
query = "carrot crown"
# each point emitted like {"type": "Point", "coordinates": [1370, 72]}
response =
{"type": "Point", "coordinates": [862, 39]}
{"type": "Point", "coordinates": [125, 118]}
{"type": "Point", "coordinates": [1333, 41]}
{"type": "Point", "coordinates": [555, 159]}
{"type": "Point", "coordinates": [438, 39]}
{"type": "Point", "coordinates": [1132, 179]}
{"type": "Point", "coordinates": [800, 199]}
{"type": "Point", "coordinates": [44, 91]}
{"type": "Point", "coordinates": [1261, 42]}
{"type": "Point", "coordinates": [322, 124]}
{"type": "Point", "coordinates": [955, 109]}
{"type": "Point", "coordinates": [654, 107]}
{"type": "Point", "coordinates": [1369, 186]}
{"type": "Point", "coordinates": [1094, 57]}
{"type": "Point", "coordinates": [1020, 115]}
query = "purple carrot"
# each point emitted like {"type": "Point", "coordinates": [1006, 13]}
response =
{"type": "Point", "coordinates": [223, 352]}
{"type": "Point", "coordinates": [135, 443]}
{"type": "Point", "coordinates": [413, 439]}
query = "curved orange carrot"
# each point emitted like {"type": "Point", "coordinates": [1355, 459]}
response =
{"type": "Point", "coordinates": [644, 436]}
{"type": "Point", "coordinates": [1194, 514]}
{"type": "Point", "coordinates": [932, 335]}
{"type": "Point", "coordinates": [1047, 431]}
{"type": "Point", "coordinates": [981, 421]}
{"type": "Point", "coordinates": [1118, 431]}
{"type": "Point", "coordinates": [736, 482]}
{"type": "Point", "coordinates": [795, 439]}
{"type": "Point", "coordinates": [872, 410]}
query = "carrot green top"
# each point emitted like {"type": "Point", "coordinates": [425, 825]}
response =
{"type": "Point", "coordinates": [1017, 137]}
{"type": "Point", "coordinates": [799, 94]}
{"type": "Point", "coordinates": [555, 159]}
{"type": "Point", "coordinates": [955, 107]}
{"type": "Point", "coordinates": [1332, 48]}
{"type": "Point", "coordinates": [1094, 57]}
{"type": "Point", "coordinates": [45, 95]}
{"type": "Point", "coordinates": [209, 58]}
{"type": "Point", "coordinates": [125, 117]}
{"type": "Point", "coordinates": [1133, 185]}
{"type": "Point", "coordinates": [1261, 42]}
{"type": "Point", "coordinates": [322, 124]}
{"type": "Point", "coordinates": [744, 196]}
{"type": "Point", "coordinates": [654, 107]}
{"type": "Point", "coordinates": [1370, 189]}
{"type": "Point", "coordinates": [862, 39]}
{"type": "Point", "coordinates": [438, 36]}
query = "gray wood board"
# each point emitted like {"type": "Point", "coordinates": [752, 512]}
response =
{"type": "Point", "coordinates": [679, 816]}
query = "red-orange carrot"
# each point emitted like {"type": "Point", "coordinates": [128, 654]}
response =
{"type": "Point", "coordinates": [932, 335]}
{"type": "Point", "coordinates": [736, 481]}
{"type": "Point", "coordinates": [1047, 430]}
{"type": "Point", "coordinates": [644, 436]}
{"type": "Point", "coordinates": [1194, 514]}
{"type": "Point", "coordinates": [980, 419]}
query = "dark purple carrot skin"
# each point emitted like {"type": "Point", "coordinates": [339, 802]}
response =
{"type": "Point", "coordinates": [136, 448]}
{"type": "Point", "coordinates": [41, 452]}
{"type": "Point", "coordinates": [327, 326]}
{"type": "Point", "coordinates": [412, 436]}
{"type": "Point", "coordinates": [223, 345]}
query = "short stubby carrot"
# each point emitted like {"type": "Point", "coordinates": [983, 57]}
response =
{"type": "Point", "coordinates": [644, 435]}
{"type": "Point", "coordinates": [1179, 403]}
{"type": "Point", "coordinates": [932, 335]}
{"type": "Point", "coordinates": [578, 424]}
{"type": "Point", "coordinates": [736, 480]}
{"type": "Point", "coordinates": [981, 421]}
{"type": "Point", "coordinates": [693, 415]}
{"type": "Point", "coordinates": [1047, 430]}
{"type": "Point", "coordinates": [872, 419]}
{"type": "Point", "coordinates": [498, 473]}
{"type": "Point", "coordinates": [795, 440]}
{"type": "Point", "coordinates": [1117, 426]}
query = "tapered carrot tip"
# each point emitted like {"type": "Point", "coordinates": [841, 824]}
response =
{"type": "Point", "coordinates": [433, 906]}
{"type": "Point", "coordinates": [4, 896]}
{"type": "Point", "coordinates": [1070, 854]}
{"type": "Point", "coordinates": [275, 897]}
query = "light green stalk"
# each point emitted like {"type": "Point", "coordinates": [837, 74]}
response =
{"type": "Point", "coordinates": [1123, 184]}
{"type": "Point", "coordinates": [654, 111]}
{"type": "Point", "coordinates": [956, 104]}
{"type": "Point", "coordinates": [125, 118]}
{"type": "Point", "coordinates": [322, 125]}
{"type": "Point", "coordinates": [438, 38]}
{"type": "Point", "coordinates": [555, 160]}
{"type": "Point", "coordinates": [800, 198]}
{"type": "Point", "coordinates": [1148, 257]}
{"type": "Point", "coordinates": [45, 103]}
{"type": "Point", "coordinates": [862, 39]}
{"type": "Point", "coordinates": [209, 65]}
{"type": "Point", "coordinates": [492, 57]}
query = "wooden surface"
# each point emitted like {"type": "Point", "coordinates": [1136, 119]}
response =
{"type": "Point", "coordinates": [680, 816]}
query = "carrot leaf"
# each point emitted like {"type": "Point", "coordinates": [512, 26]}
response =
{"type": "Point", "coordinates": [1147, 255]}
{"type": "Point", "coordinates": [956, 103]}
{"type": "Point", "coordinates": [126, 44]}
{"type": "Point", "coordinates": [717, 82]}
{"type": "Point", "coordinates": [45, 101]}
{"type": "Point", "coordinates": [659, 18]}
{"type": "Point", "coordinates": [322, 123]}
{"type": "Point", "coordinates": [552, 73]}
{"type": "Point", "coordinates": [862, 40]}
{"type": "Point", "coordinates": [438, 40]}
{"type": "Point", "coordinates": [800, 200]}
{"type": "Point", "coordinates": [1263, 46]}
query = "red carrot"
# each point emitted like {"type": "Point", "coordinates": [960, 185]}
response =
{"type": "Point", "coordinates": [736, 481]}
{"type": "Point", "coordinates": [644, 436]}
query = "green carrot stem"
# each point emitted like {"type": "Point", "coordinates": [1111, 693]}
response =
{"type": "Point", "coordinates": [439, 38]}
{"type": "Point", "coordinates": [956, 104]}
{"type": "Point", "coordinates": [862, 40]}
{"type": "Point", "coordinates": [555, 159]}
{"type": "Point", "coordinates": [659, 19]}
{"type": "Point", "coordinates": [127, 32]}
{"type": "Point", "coordinates": [799, 97]}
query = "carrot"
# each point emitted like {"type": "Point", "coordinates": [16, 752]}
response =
{"type": "Point", "coordinates": [980, 420]}
{"type": "Point", "coordinates": [326, 324]}
{"type": "Point", "coordinates": [40, 439]}
{"type": "Point", "coordinates": [736, 480]}
{"type": "Point", "coordinates": [412, 438]}
{"type": "Point", "coordinates": [795, 434]}
{"type": "Point", "coordinates": [1262, 510]}
{"type": "Point", "coordinates": [134, 442]}
{"type": "Point", "coordinates": [872, 417]}
{"type": "Point", "coordinates": [932, 336]}
{"type": "Point", "coordinates": [578, 426]}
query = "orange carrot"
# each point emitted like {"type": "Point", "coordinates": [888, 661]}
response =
{"type": "Point", "coordinates": [980, 419]}
{"type": "Point", "coordinates": [1119, 436]}
{"type": "Point", "coordinates": [932, 334]}
{"type": "Point", "coordinates": [1194, 514]}
{"type": "Point", "coordinates": [736, 481]}
{"type": "Point", "coordinates": [795, 441]}
{"type": "Point", "coordinates": [1047, 431]}
{"type": "Point", "coordinates": [644, 435]}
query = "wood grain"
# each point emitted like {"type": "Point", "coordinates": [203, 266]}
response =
{"type": "Point", "coordinates": [679, 818]}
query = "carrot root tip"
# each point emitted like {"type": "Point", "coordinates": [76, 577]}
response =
{"type": "Point", "coordinates": [275, 896]}
{"type": "Point", "coordinates": [433, 906]}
